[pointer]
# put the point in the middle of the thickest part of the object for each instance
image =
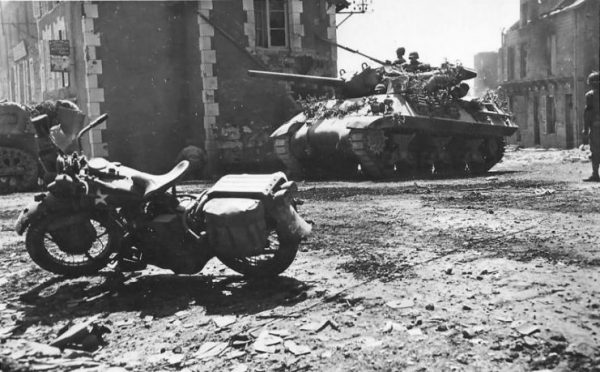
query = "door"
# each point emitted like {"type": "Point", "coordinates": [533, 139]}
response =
{"type": "Point", "coordinates": [536, 120]}
{"type": "Point", "coordinates": [570, 130]}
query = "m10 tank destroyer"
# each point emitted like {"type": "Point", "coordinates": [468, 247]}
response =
{"type": "Point", "coordinates": [386, 122]}
{"type": "Point", "coordinates": [18, 154]}
{"type": "Point", "coordinates": [19, 167]}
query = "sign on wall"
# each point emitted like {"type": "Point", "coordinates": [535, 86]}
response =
{"type": "Point", "coordinates": [19, 51]}
{"type": "Point", "coordinates": [60, 51]}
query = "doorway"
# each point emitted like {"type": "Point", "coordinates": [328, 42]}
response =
{"type": "Point", "coordinates": [536, 121]}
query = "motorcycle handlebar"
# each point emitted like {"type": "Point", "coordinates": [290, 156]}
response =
{"type": "Point", "coordinates": [99, 120]}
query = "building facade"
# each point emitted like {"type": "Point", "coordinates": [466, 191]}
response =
{"type": "Point", "coordinates": [19, 61]}
{"type": "Point", "coordinates": [486, 65]}
{"type": "Point", "coordinates": [544, 61]}
{"type": "Point", "coordinates": [174, 73]}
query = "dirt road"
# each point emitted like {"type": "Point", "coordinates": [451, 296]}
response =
{"type": "Point", "coordinates": [491, 273]}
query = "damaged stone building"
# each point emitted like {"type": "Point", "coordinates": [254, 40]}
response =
{"type": "Point", "coordinates": [174, 73]}
{"type": "Point", "coordinates": [543, 64]}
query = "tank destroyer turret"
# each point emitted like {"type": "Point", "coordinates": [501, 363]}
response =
{"type": "Point", "coordinates": [387, 121]}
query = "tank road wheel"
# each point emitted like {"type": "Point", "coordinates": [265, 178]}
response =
{"type": "Point", "coordinates": [371, 147]}
{"type": "Point", "coordinates": [18, 170]}
{"type": "Point", "coordinates": [284, 153]}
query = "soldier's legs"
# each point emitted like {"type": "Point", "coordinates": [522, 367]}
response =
{"type": "Point", "coordinates": [595, 148]}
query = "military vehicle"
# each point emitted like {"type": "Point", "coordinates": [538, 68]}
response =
{"type": "Point", "coordinates": [19, 166]}
{"type": "Point", "coordinates": [18, 153]}
{"type": "Point", "coordinates": [387, 122]}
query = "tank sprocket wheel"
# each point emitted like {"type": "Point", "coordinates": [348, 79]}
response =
{"type": "Point", "coordinates": [492, 151]}
{"type": "Point", "coordinates": [366, 146]}
{"type": "Point", "coordinates": [284, 153]}
{"type": "Point", "coordinates": [18, 170]}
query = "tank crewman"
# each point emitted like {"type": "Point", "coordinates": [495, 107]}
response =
{"type": "Point", "coordinates": [591, 123]}
{"type": "Point", "coordinates": [414, 65]}
{"type": "Point", "coordinates": [400, 56]}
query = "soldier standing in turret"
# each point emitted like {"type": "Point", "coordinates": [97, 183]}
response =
{"type": "Point", "coordinates": [591, 123]}
{"type": "Point", "coordinates": [400, 56]}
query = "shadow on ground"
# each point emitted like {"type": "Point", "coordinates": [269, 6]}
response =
{"type": "Point", "coordinates": [157, 295]}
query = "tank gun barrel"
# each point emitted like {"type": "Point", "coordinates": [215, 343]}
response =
{"type": "Point", "coordinates": [336, 82]}
{"type": "Point", "coordinates": [353, 51]}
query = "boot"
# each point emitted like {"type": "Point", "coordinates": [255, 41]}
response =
{"type": "Point", "coordinates": [594, 178]}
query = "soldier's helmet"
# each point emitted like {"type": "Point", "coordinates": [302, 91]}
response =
{"type": "Point", "coordinates": [400, 51]}
{"type": "Point", "coordinates": [594, 79]}
{"type": "Point", "coordinates": [413, 55]}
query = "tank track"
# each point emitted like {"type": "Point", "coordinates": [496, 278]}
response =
{"type": "Point", "coordinates": [284, 153]}
{"type": "Point", "coordinates": [441, 155]}
{"type": "Point", "coordinates": [18, 170]}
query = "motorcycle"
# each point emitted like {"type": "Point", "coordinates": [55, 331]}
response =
{"type": "Point", "coordinates": [97, 212]}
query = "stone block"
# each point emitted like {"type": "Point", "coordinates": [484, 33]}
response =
{"type": "Point", "coordinates": [90, 52]}
{"type": "Point", "coordinates": [297, 6]}
{"type": "Point", "coordinates": [206, 69]}
{"type": "Point", "coordinates": [208, 56]}
{"type": "Point", "coordinates": [92, 81]}
{"type": "Point", "coordinates": [205, 43]}
{"type": "Point", "coordinates": [206, 29]}
{"type": "Point", "coordinates": [91, 39]}
{"type": "Point", "coordinates": [90, 10]}
{"type": "Point", "coordinates": [248, 4]}
{"type": "Point", "coordinates": [88, 25]}
{"type": "Point", "coordinates": [208, 96]}
{"type": "Point", "coordinates": [93, 109]}
{"type": "Point", "coordinates": [211, 109]}
{"type": "Point", "coordinates": [206, 4]}
{"type": "Point", "coordinates": [94, 66]}
{"type": "Point", "coordinates": [210, 83]}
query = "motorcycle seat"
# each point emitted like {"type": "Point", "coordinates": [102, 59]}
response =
{"type": "Point", "coordinates": [152, 184]}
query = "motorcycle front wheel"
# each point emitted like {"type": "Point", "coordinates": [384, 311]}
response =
{"type": "Point", "coordinates": [277, 257]}
{"type": "Point", "coordinates": [65, 255]}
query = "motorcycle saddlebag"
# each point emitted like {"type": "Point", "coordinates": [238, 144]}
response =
{"type": "Point", "coordinates": [236, 227]}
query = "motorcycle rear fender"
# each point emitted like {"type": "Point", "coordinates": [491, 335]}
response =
{"type": "Point", "coordinates": [290, 225]}
{"type": "Point", "coordinates": [37, 210]}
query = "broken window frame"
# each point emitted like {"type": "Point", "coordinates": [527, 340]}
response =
{"type": "Point", "coordinates": [263, 13]}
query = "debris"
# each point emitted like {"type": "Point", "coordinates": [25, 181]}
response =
{"type": "Point", "coordinates": [415, 332]}
{"type": "Point", "coordinates": [401, 304]}
{"type": "Point", "coordinates": [430, 307]}
{"type": "Point", "coordinates": [392, 326]}
{"type": "Point", "coordinates": [582, 348]}
{"type": "Point", "coordinates": [504, 319]}
{"type": "Point", "coordinates": [233, 354]}
{"type": "Point", "coordinates": [528, 329]}
{"type": "Point", "coordinates": [86, 336]}
{"type": "Point", "coordinates": [442, 328]}
{"type": "Point", "coordinates": [319, 326]}
{"type": "Point", "coordinates": [265, 343]}
{"type": "Point", "coordinates": [240, 368]}
{"type": "Point", "coordinates": [224, 321]}
{"type": "Point", "coordinates": [543, 192]}
{"type": "Point", "coordinates": [493, 178]}
{"type": "Point", "coordinates": [371, 343]}
{"type": "Point", "coordinates": [296, 349]}
{"type": "Point", "coordinates": [210, 350]}
{"type": "Point", "coordinates": [467, 308]}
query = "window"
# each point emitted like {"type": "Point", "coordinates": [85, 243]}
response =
{"type": "Point", "coordinates": [523, 59]}
{"type": "Point", "coordinates": [550, 115]}
{"type": "Point", "coordinates": [511, 63]}
{"type": "Point", "coordinates": [551, 54]}
{"type": "Point", "coordinates": [271, 23]}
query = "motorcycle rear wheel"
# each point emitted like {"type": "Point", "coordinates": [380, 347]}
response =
{"type": "Point", "coordinates": [277, 258]}
{"type": "Point", "coordinates": [47, 254]}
